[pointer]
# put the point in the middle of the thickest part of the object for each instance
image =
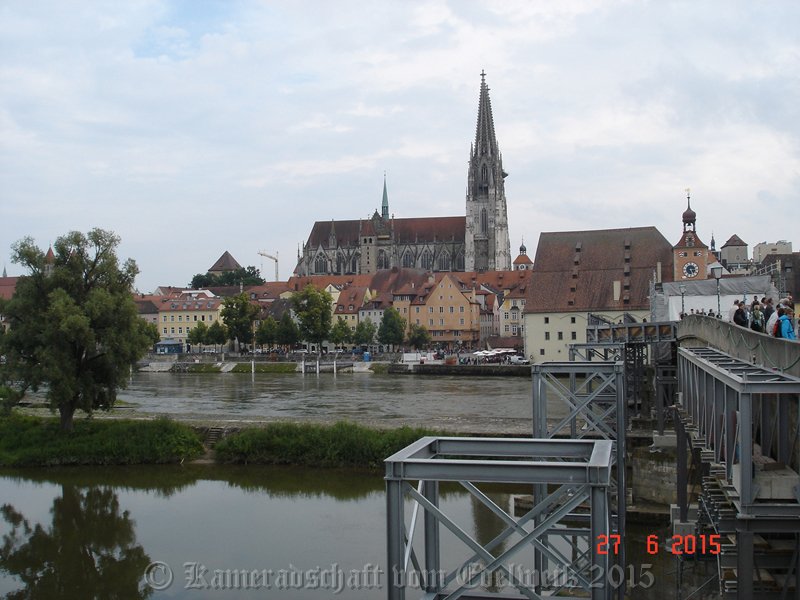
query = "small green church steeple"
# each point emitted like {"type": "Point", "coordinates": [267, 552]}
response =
{"type": "Point", "coordinates": [385, 204]}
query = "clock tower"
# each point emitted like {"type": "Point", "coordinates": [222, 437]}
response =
{"type": "Point", "coordinates": [690, 256]}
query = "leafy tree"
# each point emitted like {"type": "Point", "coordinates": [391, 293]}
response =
{"type": "Point", "coordinates": [392, 329]}
{"type": "Point", "coordinates": [341, 332]}
{"type": "Point", "coordinates": [151, 329]}
{"type": "Point", "coordinates": [242, 275]}
{"type": "Point", "coordinates": [288, 334]}
{"type": "Point", "coordinates": [267, 332]}
{"type": "Point", "coordinates": [74, 327]}
{"type": "Point", "coordinates": [365, 332]}
{"type": "Point", "coordinates": [313, 310]}
{"type": "Point", "coordinates": [419, 337]}
{"type": "Point", "coordinates": [217, 334]}
{"type": "Point", "coordinates": [88, 551]}
{"type": "Point", "coordinates": [238, 314]}
{"type": "Point", "coordinates": [198, 335]}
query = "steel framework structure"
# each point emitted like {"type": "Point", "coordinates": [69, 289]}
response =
{"type": "Point", "coordinates": [581, 470]}
{"type": "Point", "coordinates": [741, 422]}
{"type": "Point", "coordinates": [595, 399]}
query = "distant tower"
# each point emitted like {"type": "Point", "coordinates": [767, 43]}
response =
{"type": "Point", "coordinates": [690, 255]}
{"type": "Point", "coordinates": [49, 262]}
{"type": "Point", "coordinates": [385, 204]}
{"type": "Point", "coordinates": [523, 261]}
{"type": "Point", "coordinates": [487, 247]}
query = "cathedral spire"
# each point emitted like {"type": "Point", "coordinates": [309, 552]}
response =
{"type": "Point", "coordinates": [385, 204]}
{"type": "Point", "coordinates": [485, 141]}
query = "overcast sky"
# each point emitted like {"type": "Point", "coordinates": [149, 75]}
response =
{"type": "Point", "coordinates": [190, 128]}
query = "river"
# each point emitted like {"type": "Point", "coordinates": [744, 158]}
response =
{"type": "Point", "coordinates": [306, 534]}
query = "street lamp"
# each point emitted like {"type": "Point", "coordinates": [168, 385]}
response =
{"type": "Point", "coordinates": [682, 288]}
{"type": "Point", "coordinates": [717, 273]}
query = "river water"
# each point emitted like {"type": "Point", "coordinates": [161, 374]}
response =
{"type": "Point", "coordinates": [307, 534]}
{"type": "Point", "coordinates": [473, 404]}
{"type": "Point", "coordinates": [81, 532]}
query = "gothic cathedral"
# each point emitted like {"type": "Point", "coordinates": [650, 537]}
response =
{"type": "Point", "coordinates": [475, 242]}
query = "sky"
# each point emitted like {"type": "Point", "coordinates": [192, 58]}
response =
{"type": "Point", "coordinates": [198, 126]}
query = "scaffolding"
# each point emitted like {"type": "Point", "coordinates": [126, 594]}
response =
{"type": "Point", "coordinates": [739, 422]}
{"type": "Point", "coordinates": [579, 473]}
{"type": "Point", "coordinates": [593, 394]}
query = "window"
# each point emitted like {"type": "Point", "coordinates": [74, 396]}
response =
{"type": "Point", "coordinates": [165, 330]}
{"type": "Point", "coordinates": [320, 264]}
{"type": "Point", "coordinates": [574, 336]}
{"type": "Point", "coordinates": [416, 309]}
{"type": "Point", "coordinates": [506, 329]}
{"type": "Point", "coordinates": [441, 309]}
{"type": "Point", "coordinates": [443, 264]}
{"type": "Point", "coordinates": [383, 260]}
{"type": "Point", "coordinates": [417, 321]}
{"type": "Point", "coordinates": [431, 322]}
{"type": "Point", "coordinates": [408, 259]}
{"type": "Point", "coordinates": [172, 330]}
{"type": "Point", "coordinates": [172, 317]}
{"type": "Point", "coordinates": [572, 319]}
{"type": "Point", "coordinates": [461, 309]}
{"type": "Point", "coordinates": [505, 315]}
{"type": "Point", "coordinates": [165, 320]}
{"type": "Point", "coordinates": [441, 321]}
{"type": "Point", "coordinates": [546, 335]}
{"type": "Point", "coordinates": [546, 320]}
{"type": "Point", "coordinates": [541, 351]}
{"type": "Point", "coordinates": [484, 221]}
{"type": "Point", "coordinates": [202, 317]}
{"type": "Point", "coordinates": [513, 330]}
{"type": "Point", "coordinates": [405, 310]}
{"type": "Point", "coordinates": [426, 260]}
{"type": "Point", "coordinates": [561, 335]}
{"type": "Point", "coordinates": [461, 321]}
{"type": "Point", "coordinates": [430, 309]}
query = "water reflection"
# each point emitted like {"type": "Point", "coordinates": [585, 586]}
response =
{"type": "Point", "coordinates": [88, 551]}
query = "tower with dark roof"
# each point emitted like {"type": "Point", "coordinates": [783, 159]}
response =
{"type": "Point", "coordinates": [487, 247]}
{"type": "Point", "coordinates": [691, 256]}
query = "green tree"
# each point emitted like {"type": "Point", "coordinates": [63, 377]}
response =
{"type": "Point", "coordinates": [241, 276]}
{"type": "Point", "coordinates": [313, 310]}
{"type": "Point", "coordinates": [238, 314]}
{"type": "Point", "coordinates": [288, 333]}
{"type": "Point", "coordinates": [74, 327]}
{"type": "Point", "coordinates": [267, 332]}
{"type": "Point", "coordinates": [419, 337]}
{"type": "Point", "coordinates": [365, 332]}
{"type": "Point", "coordinates": [217, 334]}
{"type": "Point", "coordinates": [151, 329]}
{"type": "Point", "coordinates": [198, 335]}
{"type": "Point", "coordinates": [341, 332]}
{"type": "Point", "coordinates": [392, 329]}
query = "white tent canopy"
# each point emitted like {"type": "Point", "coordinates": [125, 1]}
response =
{"type": "Point", "coordinates": [665, 303]}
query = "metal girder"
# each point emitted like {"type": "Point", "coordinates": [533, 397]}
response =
{"type": "Point", "coordinates": [582, 466]}
{"type": "Point", "coordinates": [733, 412]}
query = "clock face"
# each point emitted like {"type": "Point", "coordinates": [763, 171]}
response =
{"type": "Point", "coordinates": [690, 269]}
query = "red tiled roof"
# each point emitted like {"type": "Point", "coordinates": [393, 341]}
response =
{"type": "Point", "coordinates": [226, 262]}
{"type": "Point", "coordinates": [411, 230]}
{"type": "Point", "coordinates": [523, 259]}
{"type": "Point", "coordinates": [590, 262]}
{"type": "Point", "coordinates": [696, 244]}
{"type": "Point", "coordinates": [7, 287]}
{"type": "Point", "coordinates": [734, 240]}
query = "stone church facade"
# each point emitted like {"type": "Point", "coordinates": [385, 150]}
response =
{"type": "Point", "coordinates": [477, 241]}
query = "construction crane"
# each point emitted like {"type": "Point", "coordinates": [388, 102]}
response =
{"type": "Point", "coordinates": [275, 258]}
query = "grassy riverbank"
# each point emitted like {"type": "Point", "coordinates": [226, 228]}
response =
{"type": "Point", "coordinates": [34, 441]}
{"type": "Point", "coordinates": [276, 367]}
{"type": "Point", "coordinates": [339, 445]}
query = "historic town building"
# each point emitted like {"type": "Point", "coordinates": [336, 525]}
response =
{"type": "Point", "coordinates": [691, 257]}
{"type": "Point", "coordinates": [477, 241]}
